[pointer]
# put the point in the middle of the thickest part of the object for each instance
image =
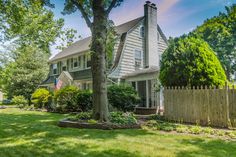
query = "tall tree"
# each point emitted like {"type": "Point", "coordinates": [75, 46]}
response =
{"type": "Point", "coordinates": [24, 75]}
{"type": "Point", "coordinates": [28, 22]}
{"type": "Point", "coordinates": [96, 15]}
{"type": "Point", "coordinates": [220, 33]}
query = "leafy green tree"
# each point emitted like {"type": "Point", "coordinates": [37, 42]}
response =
{"type": "Point", "coordinates": [24, 75]}
{"type": "Point", "coordinates": [220, 33]}
{"type": "Point", "coordinates": [96, 15]}
{"type": "Point", "coordinates": [189, 61]}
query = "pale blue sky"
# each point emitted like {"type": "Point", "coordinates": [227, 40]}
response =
{"type": "Point", "coordinates": [175, 17]}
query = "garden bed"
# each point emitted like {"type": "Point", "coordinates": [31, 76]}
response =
{"type": "Point", "coordinates": [104, 126]}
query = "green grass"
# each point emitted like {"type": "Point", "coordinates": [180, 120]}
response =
{"type": "Point", "coordinates": [32, 134]}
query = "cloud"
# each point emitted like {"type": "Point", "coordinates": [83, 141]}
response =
{"type": "Point", "coordinates": [166, 5]}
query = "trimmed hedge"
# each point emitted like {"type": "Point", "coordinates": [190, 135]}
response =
{"type": "Point", "coordinates": [71, 99]}
{"type": "Point", "coordinates": [123, 97]}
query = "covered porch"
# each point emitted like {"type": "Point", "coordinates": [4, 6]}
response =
{"type": "Point", "coordinates": [145, 82]}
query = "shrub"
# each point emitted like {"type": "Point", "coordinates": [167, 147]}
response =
{"type": "Point", "coordinates": [85, 100]}
{"type": "Point", "coordinates": [122, 97]}
{"type": "Point", "coordinates": [84, 116]}
{"type": "Point", "coordinates": [122, 118]}
{"type": "Point", "coordinates": [81, 116]}
{"type": "Point", "coordinates": [20, 101]}
{"type": "Point", "coordinates": [41, 98]}
{"type": "Point", "coordinates": [208, 130]}
{"type": "Point", "coordinates": [189, 61]}
{"type": "Point", "coordinates": [66, 99]}
{"type": "Point", "coordinates": [181, 129]}
{"type": "Point", "coordinates": [195, 130]}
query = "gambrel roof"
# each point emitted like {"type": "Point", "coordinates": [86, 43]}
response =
{"type": "Point", "coordinates": [83, 45]}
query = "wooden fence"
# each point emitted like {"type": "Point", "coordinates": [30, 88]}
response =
{"type": "Point", "coordinates": [214, 106]}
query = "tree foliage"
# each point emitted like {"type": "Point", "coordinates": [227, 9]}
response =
{"type": "Point", "coordinates": [24, 75]}
{"type": "Point", "coordinates": [220, 33]}
{"type": "Point", "coordinates": [189, 61]}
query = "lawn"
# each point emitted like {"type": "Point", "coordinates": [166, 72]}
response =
{"type": "Point", "coordinates": [31, 134]}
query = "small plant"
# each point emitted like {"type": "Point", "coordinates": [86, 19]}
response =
{"type": "Point", "coordinates": [92, 121]}
{"type": "Point", "coordinates": [122, 118]}
{"type": "Point", "coordinates": [195, 130]}
{"type": "Point", "coordinates": [84, 116]}
{"type": "Point", "coordinates": [20, 101]}
{"type": "Point", "coordinates": [168, 128]}
{"type": "Point", "coordinates": [157, 117]}
{"type": "Point", "coordinates": [208, 130]}
{"type": "Point", "coordinates": [181, 129]}
{"type": "Point", "coordinates": [220, 133]}
{"type": "Point", "coordinates": [231, 134]}
{"type": "Point", "coordinates": [81, 116]}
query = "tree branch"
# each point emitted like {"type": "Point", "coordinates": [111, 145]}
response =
{"type": "Point", "coordinates": [112, 5]}
{"type": "Point", "coordinates": [83, 12]}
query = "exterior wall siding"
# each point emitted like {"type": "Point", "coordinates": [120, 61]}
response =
{"type": "Point", "coordinates": [127, 62]}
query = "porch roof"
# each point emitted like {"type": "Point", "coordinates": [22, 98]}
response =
{"type": "Point", "coordinates": [150, 70]}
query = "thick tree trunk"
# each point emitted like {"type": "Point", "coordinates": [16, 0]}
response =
{"type": "Point", "coordinates": [98, 50]}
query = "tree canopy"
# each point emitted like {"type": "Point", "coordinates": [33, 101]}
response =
{"type": "Point", "coordinates": [220, 33]}
{"type": "Point", "coordinates": [24, 75]}
{"type": "Point", "coordinates": [189, 61]}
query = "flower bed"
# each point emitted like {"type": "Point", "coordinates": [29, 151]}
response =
{"type": "Point", "coordinates": [104, 126]}
{"type": "Point", "coordinates": [118, 120]}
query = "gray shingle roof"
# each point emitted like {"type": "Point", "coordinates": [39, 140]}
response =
{"type": "Point", "coordinates": [83, 45]}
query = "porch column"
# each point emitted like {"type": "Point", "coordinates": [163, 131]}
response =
{"type": "Point", "coordinates": [136, 86]}
{"type": "Point", "coordinates": [147, 95]}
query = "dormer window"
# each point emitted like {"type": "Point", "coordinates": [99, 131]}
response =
{"type": "Point", "coordinates": [142, 32]}
{"type": "Point", "coordinates": [138, 59]}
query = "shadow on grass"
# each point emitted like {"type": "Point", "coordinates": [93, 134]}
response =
{"type": "Point", "coordinates": [36, 134]}
{"type": "Point", "coordinates": [33, 123]}
{"type": "Point", "coordinates": [209, 148]}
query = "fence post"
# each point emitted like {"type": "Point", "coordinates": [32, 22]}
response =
{"type": "Point", "coordinates": [227, 105]}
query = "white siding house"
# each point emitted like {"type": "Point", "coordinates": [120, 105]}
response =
{"type": "Point", "coordinates": [136, 58]}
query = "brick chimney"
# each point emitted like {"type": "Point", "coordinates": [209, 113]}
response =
{"type": "Point", "coordinates": [151, 49]}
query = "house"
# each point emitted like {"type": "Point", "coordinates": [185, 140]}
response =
{"type": "Point", "coordinates": [136, 59]}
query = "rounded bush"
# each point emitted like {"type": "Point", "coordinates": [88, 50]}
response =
{"type": "Point", "coordinates": [66, 99]}
{"type": "Point", "coordinates": [20, 101]}
{"type": "Point", "coordinates": [189, 61]}
{"type": "Point", "coordinates": [85, 100]}
{"type": "Point", "coordinates": [41, 98]}
{"type": "Point", "coordinates": [122, 97]}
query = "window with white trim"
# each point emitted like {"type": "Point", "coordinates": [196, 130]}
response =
{"type": "Point", "coordinates": [75, 62]}
{"type": "Point", "coordinates": [63, 65]}
{"type": "Point", "coordinates": [54, 69]}
{"type": "Point", "coordinates": [88, 58]}
{"type": "Point", "coordinates": [138, 58]}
